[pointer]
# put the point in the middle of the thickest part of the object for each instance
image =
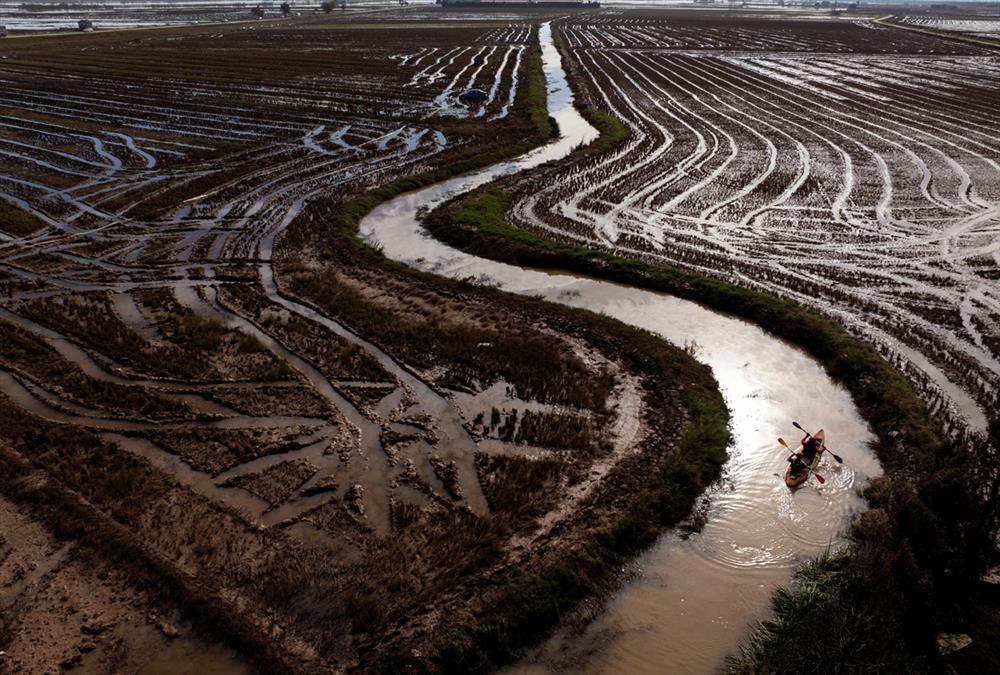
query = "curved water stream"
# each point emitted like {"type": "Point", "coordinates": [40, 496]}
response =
{"type": "Point", "coordinates": [690, 600]}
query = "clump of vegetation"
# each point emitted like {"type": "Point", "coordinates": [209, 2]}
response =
{"type": "Point", "coordinates": [554, 430]}
{"type": "Point", "coordinates": [579, 432]}
{"type": "Point", "coordinates": [520, 488]}
{"type": "Point", "coordinates": [201, 333]}
{"type": "Point", "coordinates": [277, 483]}
{"type": "Point", "coordinates": [613, 132]}
{"type": "Point", "coordinates": [248, 344]}
{"type": "Point", "coordinates": [447, 473]}
{"type": "Point", "coordinates": [17, 222]}
{"type": "Point", "coordinates": [804, 607]}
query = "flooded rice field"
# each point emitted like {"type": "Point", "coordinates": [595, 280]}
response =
{"type": "Point", "coordinates": [142, 193]}
{"type": "Point", "coordinates": [329, 461]}
{"type": "Point", "coordinates": [44, 17]}
{"type": "Point", "coordinates": [980, 26]}
{"type": "Point", "coordinates": [200, 367]}
{"type": "Point", "coordinates": [819, 161]}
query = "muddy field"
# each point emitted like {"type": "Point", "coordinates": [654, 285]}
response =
{"type": "Point", "coordinates": [230, 429]}
{"type": "Point", "coordinates": [840, 162]}
{"type": "Point", "coordinates": [978, 26]}
{"type": "Point", "coordinates": [228, 422]}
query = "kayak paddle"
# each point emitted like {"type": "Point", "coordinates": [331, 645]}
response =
{"type": "Point", "coordinates": [812, 472]}
{"type": "Point", "coordinates": [835, 455]}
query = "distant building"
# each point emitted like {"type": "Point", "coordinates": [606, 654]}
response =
{"type": "Point", "coordinates": [85, 25]}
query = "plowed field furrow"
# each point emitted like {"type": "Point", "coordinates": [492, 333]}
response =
{"type": "Point", "coordinates": [849, 184]}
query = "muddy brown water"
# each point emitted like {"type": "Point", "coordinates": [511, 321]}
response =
{"type": "Point", "coordinates": [687, 602]}
{"type": "Point", "coordinates": [193, 657]}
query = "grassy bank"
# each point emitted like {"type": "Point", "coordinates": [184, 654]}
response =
{"type": "Point", "coordinates": [613, 132]}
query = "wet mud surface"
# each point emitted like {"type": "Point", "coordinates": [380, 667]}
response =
{"type": "Point", "coordinates": [260, 415]}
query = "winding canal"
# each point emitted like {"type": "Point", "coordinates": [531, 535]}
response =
{"type": "Point", "coordinates": [688, 600]}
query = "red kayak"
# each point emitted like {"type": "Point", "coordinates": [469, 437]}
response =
{"type": "Point", "coordinates": [804, 476]}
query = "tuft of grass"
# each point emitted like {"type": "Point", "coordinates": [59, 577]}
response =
{"type": "Point", "coordinates": [248, 344]}
{"type": "Point", "coordinates": [277, 371]}
{"type": "Point", "coordinates": [796, 628]}
{"type": "Point", "coordinates": [613, 131]}
{"type": "Point", "coordinates": [17, 222]}
{"type": "Point", "coordinates": [199, 332]}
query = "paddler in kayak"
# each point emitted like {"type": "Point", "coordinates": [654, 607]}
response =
{"type": "Point", "coordinates": [804, 458]}
{"type": "Point", "coordinates": [803, 462]}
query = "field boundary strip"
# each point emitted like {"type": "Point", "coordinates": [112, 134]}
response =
{"type": "Point", "coordinates": [889, 21]}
